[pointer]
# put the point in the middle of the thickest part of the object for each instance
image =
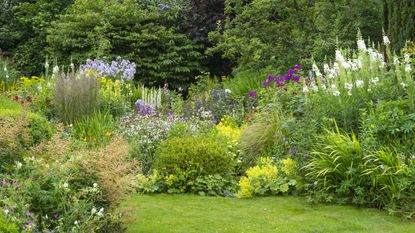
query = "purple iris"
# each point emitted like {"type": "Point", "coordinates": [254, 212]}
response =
{"type": "Point", "coordinates": [296, 79]}
{"type": "Point", "coordinates": [306, 156]}
{"type": "Point", "coordinates": [291, 72]}
{"type": "Point", "coordinates": [280, 83]}
{"type": "Point", "coordinates": [265, 84]}
{"type": "Point", "coordinates": [252, 94]}
{"type": "Point", "coordinates": [271, 78]}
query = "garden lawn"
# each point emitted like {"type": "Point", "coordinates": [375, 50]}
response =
{"type": "Point", "coordinates": [187, 213]}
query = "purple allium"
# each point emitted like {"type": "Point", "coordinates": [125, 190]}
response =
{"type": "Point", "coordinates": [265, 84]}
{"type": "Point", "coordinates": [271, 78]}
{"type": "Point", "coordinates": [296, 79]}
{"type": "Point", "coordinates": [280, 83]}
{"type": "Point", "coordinates": [291, 72]}
{"type": "Point", "coordinates": [306, 156]}
{"type": "Point", "coordinates": [298, 67]}
{"type": "Point", "coordinates": [252, 94]}
{"type": "Point", "coordinates": [28, 213]}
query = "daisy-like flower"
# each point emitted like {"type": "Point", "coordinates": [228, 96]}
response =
{"type": "Point", "coordinates": [65, 185]}
{"type": "Point", "coordinates": [348, 86]}
{"type": "Point", "coordinates": [336, 93]}
{"type": "Point", "coordinates": [305, 89]}
{"type": "Point", "coordinates": [403, 84]}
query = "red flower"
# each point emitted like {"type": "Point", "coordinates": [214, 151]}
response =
{"type": "Point", "coordinates": [16, 98]}
{"type": "Point", "coordinates": [22, 102]}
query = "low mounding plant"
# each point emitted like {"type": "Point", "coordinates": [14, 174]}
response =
{"type": "Point", "coordinates": [266, 179]}
{"type": "Point", "coordinates": [113, 168]}
{"type": "Point", "coordinates": [76, 96]}
{"type": "Point", "coordinates": [183, 162]}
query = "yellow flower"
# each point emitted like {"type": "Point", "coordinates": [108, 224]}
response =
{"type": "Point", "coordinates": [108, 134]}
{"type": "Point", "coordinates": [289, 166]}
{"type": "Point", "coordinates": [84, 139]}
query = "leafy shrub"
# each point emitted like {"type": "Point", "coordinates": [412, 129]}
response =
{"type": "Point", "coordinates": [132, 31]}
{"type": "Point", "coordinates": [265, 179]}
{"type": "Point", "coordinates": [40, 128]}
{"type": "Point", "coordinates": [145, 133]}
{"type": "Point", "coordinates": [76, 96]}
{"type": "Point", "coordinates": [113, 169]}
{"type": "Point", "coordinates": [181, 161]}
{"type": "Point", "coordinates": [55, 195]}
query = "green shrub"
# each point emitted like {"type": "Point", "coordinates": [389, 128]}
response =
{"type": "Point", "coordinates": [76, 96]}
{"type": "Point", "coordinates": [182, 161]}
{"type": "Point", "coordinates": [40, 128]}
{"type": "Point", "coordinates": [6, 227]}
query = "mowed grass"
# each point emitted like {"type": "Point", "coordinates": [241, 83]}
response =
{"type": "Point", "coordinates": [187, 214]}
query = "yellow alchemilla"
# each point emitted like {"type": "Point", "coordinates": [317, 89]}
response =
{"type": "Point", "coordinates": [289, 166]}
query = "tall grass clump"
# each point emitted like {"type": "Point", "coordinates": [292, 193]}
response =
{"type": "Point", "coordinates": [76, 96]}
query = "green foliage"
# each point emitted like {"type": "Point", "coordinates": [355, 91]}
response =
{"type": "Point", "coordinates": [6, 226]}
{"type": "Point", "coordinates": [54, 195]}
{"type": "Point", "coordinates": [181, 161]}
{"type": "Point", "coordinates": [335, 167]}
{"type": "Point", "coordinates": [280, 33]}
{"type": "Point", "coordinates": [391, 123]}
{"type": "Point", "coordinates": [214, 185]}
{"type": "Point", "coordinates": [23, 33]}
{"type": "Point", "coordinates": [398, 21]}
{"type": "Point", "coordinates": [40, 128]}
{"type": "Point", "coordinates": [113, 28]}
{"type": "Point", "coordinates": [76, 96]}
{"type": "Point", "coordinates": [96, 129]}
{"type": "Point", "coordinates": [392, 181]}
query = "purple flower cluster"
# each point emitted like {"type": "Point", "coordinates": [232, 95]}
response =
{"type": "Point", "coordinates": [143, 108]}
{"type": "Point", "coordinates": [282, 79]}
{"type": "Point", "coordinates": [118, 68]}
